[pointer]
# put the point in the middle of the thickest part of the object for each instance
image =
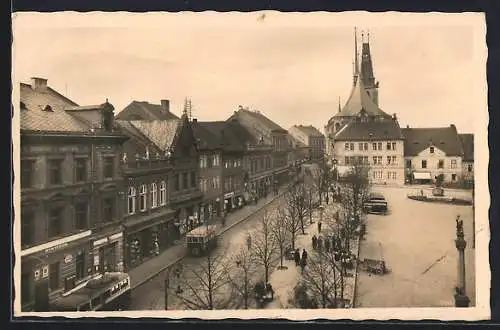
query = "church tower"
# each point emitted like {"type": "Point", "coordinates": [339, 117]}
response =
{"type": "Point", "coordinates": [369, 81]}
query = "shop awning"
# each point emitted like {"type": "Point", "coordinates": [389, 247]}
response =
{"type": "Point", "coordinates": [422, 175]}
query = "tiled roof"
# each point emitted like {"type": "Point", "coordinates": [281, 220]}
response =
{"type": "Point", "coordinates": [232, 134]}
{"type": "Point", "coordinates": [309, 130]}
{"type": "Point", "coordinates": [34, 118]}
{"type": "Point", "coordinates": [151, 111]}
{"type": "Point", "coordinates": [386, 129]}
{"type": "Point", "coordinates": [159, 132]}
{"type": "Point", "coordinates": [360, 100]}
{"type": "Point", "coordinates": [207, 139]}
{"type": "Point", "coordinates": [443, 138]}
{"type": "Point", "coordinates": [272, 126]}
{"type": "Point", "coordinates": [138, 141]}
{"type": "Point", "coordinates": [467, 146]}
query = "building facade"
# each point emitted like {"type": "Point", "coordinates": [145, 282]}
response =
{"type": "Point", "coordinates": [311, 137]}
{"type": "Point", "coordinates": [148, 219]}
{"type": "Point", "coordinates": [71, 198]}
{"type": "Point", "coordinates": [468, 158]}
{"type": "Point", "coordinates": [430, 152]}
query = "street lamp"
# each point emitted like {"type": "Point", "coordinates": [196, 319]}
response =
{"type": "Point", "coordinates": [461, 299]}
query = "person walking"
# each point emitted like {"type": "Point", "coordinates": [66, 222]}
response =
{"type": "Point", "coordinates": [314, 242]}
{"type": "Point", "coordinates": [327, 245]}
{"type": "Point", "coordinates": [319, 226]}
{"type": "Point", "coordinates": [319, 245]}
{"type": "Point", "coordinates": [297, 257]}
{"type": "Point", "coordinates": [303, 261]}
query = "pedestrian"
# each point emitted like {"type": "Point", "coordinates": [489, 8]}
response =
{"type": "Point", "coordinates": [314, 242]}
{"type": "Point", "coordinates": [319, 226]}
{"type": "Point", "coordinates": [297, 257]}
{"type": "Point", "coordinates": [327, 245]}
{"type": "Point", "coordinates": [249, 241]}
{"type": "Point", "coordinates": [303, 261]}
{"type": "Point", "coordinates": [320, 243]}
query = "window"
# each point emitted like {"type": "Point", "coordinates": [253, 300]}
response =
{"type": "Point", "coordinates": [394, 146]}
{"type": "Point", "coordinates": [431, 150]}
{"type": "Point", "coordinates": [193, 179]}
{"type": "Point", "coordinates": [81, 215]}
{"type": "Point", "coordinates": [360, 146]}
{"type": "Point", "coordinates": [469, 168]}
{"type": "Point", "coordinates": [365, 160]}
{"type": "Point", "coordinates": [394, 160]}
{"type": "Point", "coordinates": [453, 163]}
{"type": "Point", "coordinates": [108, 209]}
{"type": "Point", "coordinates": [142, 197]}
{"type": "Point", "coordinates": [131, 200]}
{"type": "Point", "coordinates": [408, 163]}
{"type": "Point", "coordinates": [80, 265]}
{"type": "Point", "coordinates": [374, 146]}
{"type": "Point", "coordinates": [374, 161]}
{"type": "Point", "coordinates": [424, 163]}
{"type": "Point", "coordinates": [388, 175]}
{"type": "Point", "coordinates": [184, 181]}
{"type": "Point", "coordinates": [27, 228]}
{"type": "Point", "coordinates": [366, 146]}
{"type": "Point", "coordinates": [216, 160]}
{"type": "Point", "coordinates": [27, 169]}
{"type": "Point", "coordinates": [351, 146]}
{"type": "Point", "coordinates": [55, 222]}
{"type": "Point", "coordinates": [441, 163]}
{"type": "Point", "coordinates": [154, 195]}
{"type": "Point", "coordinates": [388, 146]}
{"type": "Point", "coordinates": [176, 182]}
{"type": "Point", "coordinates": [379, 146]}
{"type": "Point", "coordinates": [389, 160]}
{"type": "Point", "coordinates": [163, 193]}
{"type": "Point", "coordinates": [453, 177]}
{"type": "Point", "coordinates": [109, 166]}
{"type": "Point", "coordinates": [54, 281]}
{"type": "Point", "coordinates": [80, 169]}
{"type": "Point", "coordinates": [209, 162]}
{"type": "Point", "coordinates": [203, 161]}
{"type": "Point", "coordinates": [347, 161]}
{"type": "Point", "coordinates": [394, 175]}
{"type": "Point", "coordinates": [55, 171]}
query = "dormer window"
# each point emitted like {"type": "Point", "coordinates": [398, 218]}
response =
{"type": "Point", "coordinates": [48, 108]}
{"type": "Point", "coordinates": [431, 150]}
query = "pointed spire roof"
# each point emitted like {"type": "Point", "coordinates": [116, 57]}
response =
{"type": "Point", "coordinates": [366, 63]}
{"type": "Point", "coordinates": [360, 100]}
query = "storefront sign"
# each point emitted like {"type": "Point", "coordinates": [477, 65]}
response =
{"type": "Point", "coordinates": [229, 195]}
{"type": "Point", "coordinates": [55, 248]}
{"type": "Point", "coordinates": [68, 258]}
{"type": "Point", "coordinates": [45, 271]}
{"type": "Point", "coordinates": [56, 244]}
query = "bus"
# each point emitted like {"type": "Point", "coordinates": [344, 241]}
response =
{"type": "Point", "coordinates": [110, 292]}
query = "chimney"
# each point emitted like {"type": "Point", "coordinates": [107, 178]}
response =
{"type": "Point", "coordinates": [38, 83]}
{"type": "Point", "coordinates": [165, 106]}
{"type": "Point", "coordinates": [195, 120]}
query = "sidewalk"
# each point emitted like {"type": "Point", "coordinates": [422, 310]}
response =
{"type": "Point", "coordinates": [149, 269]}
{"type": "Point", "coordinates": [284, 281]}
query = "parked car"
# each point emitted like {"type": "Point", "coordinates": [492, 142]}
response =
{"type": "Point", "coordinates": [376, 204]}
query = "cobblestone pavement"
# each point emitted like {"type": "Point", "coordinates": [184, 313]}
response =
{"type": "Point", "coordinates": [417, 242]}
{"type": "Point", "coordinates": [151, 295]}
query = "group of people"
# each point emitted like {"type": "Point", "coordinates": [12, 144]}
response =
{"type": "Point", "coordinates": [300, 261]}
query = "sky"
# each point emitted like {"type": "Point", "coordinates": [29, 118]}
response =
{"type": "Point", "coordinates": [291, 67]}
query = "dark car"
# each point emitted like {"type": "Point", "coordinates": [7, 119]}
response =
{"type": "Point", "coordinates": [376, 204]}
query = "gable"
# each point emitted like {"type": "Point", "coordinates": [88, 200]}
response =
{"type": "Point", "coordinates": [184, 144]}
{"type": "Point", "coordinates": [427, 152]}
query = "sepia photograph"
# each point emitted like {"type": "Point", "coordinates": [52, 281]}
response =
{"type": "Point", "coordinates": [250, 165]}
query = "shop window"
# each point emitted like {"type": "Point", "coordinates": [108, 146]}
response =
{"type": "Point", "coordinates": [109, 166]}
{"type": "Point", "coordinates": [55, 171]}
{"type": "Point", "coordinates": [80, 265]}
{"type": "Point", "coordinates": [131, 200]}
{"type": "Point", "coordinates": [55, 222]}
{"type": "Point", "coordinates": [81, 215]}
{"type": "Point", "coordinates": [80, 169]}
{"type": "Point", "coordinates": [142, 197]}
{"type": "Point", "coordinates": [27, 228]}
{"type": "Point", "coordinates": [424, 163]}
{"type": "Point", "coordinates": [108, 209]}
{"type": "Point", "coordinates": [26, 280]}
{"type": "Point", "coordinates": [54, 276]}
{"type": "Point", "coordinates": [154, 195]}
{"type": "Point", "coordinates": [163, 193]}
{"type": "Point", "coordinates": [27, 170]}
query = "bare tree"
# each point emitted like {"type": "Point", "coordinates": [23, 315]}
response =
{"type": "Point", "coordinates": [205, 286]}
{"type": "Point", "coordinates": [264, 248]}
{"type": "Point", "coordinates": [296, 198]}
{"type": "Point", "coordinates": [281, 235]}
{"type": "Point", "coordinates": [291, 213]}
{"type": "Point", "coordinates": [242, 279]}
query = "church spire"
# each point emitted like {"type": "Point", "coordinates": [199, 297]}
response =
{"type": "Point", "coordinates": [356, 63]}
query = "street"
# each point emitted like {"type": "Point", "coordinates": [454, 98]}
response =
{"type": "Point", "coordinates": [416, 240]}
{"type": "Point", "coordinates": [151, 295]}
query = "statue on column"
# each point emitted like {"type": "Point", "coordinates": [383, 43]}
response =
{"type": "Point", "coordinates": [460, 226]}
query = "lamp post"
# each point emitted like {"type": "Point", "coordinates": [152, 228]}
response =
{"type": "Point", "coordinates": [461, 299]}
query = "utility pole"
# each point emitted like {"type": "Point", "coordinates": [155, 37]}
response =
{"type": "Point", "coordinates": [461, 299]}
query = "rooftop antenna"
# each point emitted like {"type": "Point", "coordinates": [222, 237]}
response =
{"type": "Point", "coordinates": [187, 108]}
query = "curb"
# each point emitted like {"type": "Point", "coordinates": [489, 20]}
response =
{"type": "Point", "coordinates": [170, 264]}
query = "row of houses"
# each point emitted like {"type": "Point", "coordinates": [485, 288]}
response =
{"type": "Point", "coordinates": [361, 132]}
{"type": "Point", "coordinates": [103, 193]}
